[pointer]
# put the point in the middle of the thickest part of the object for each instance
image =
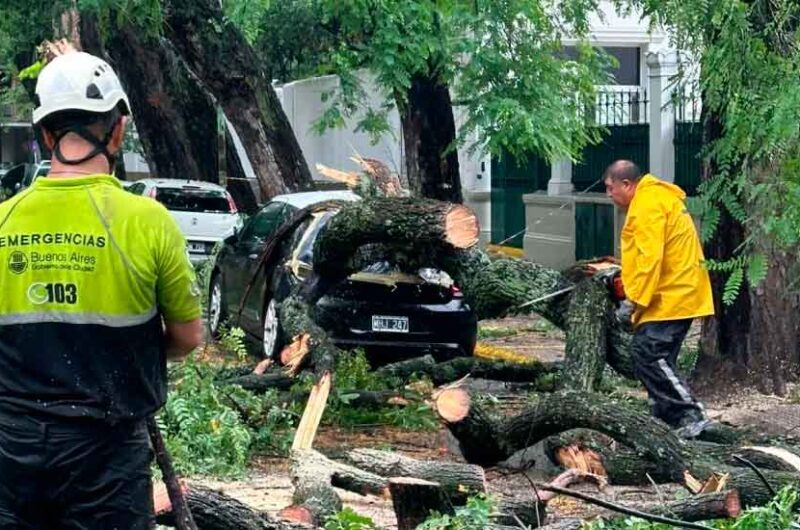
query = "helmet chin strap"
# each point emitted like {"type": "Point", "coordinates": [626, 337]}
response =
{"type": "Point", "coordinates": [100, 147]}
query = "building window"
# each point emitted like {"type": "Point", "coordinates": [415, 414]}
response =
{"type": "Point", "coordinates": [628, 71]}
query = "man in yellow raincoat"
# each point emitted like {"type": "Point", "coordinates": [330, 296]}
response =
{"type": "Point", "coordinates": [666, 287]}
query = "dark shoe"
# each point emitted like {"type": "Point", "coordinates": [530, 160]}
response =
{"type": "Point", "coordinates": [691, 428]}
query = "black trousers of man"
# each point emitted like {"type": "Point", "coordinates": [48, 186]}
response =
{"type": "Point", "coordinates": [74, 475]}
{"type": "Point", "coordinates": [655, 349]}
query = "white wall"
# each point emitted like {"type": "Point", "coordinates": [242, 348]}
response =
{"type": "Point", "coordinates": [302, 103]}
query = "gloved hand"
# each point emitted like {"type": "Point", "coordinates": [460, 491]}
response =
{"type": "Point", "coordinates": [624, 315]}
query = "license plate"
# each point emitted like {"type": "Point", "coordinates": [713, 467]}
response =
{"type": "Point", "coordinates": [197, 247]}
{"type": "Point", "coordinates": [390, 324]}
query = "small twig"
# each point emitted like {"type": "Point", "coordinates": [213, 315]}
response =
{"type": "Point", "coordinates": [538, 498]}
{"type": "Point", "coordinates": [758, 473]}
{"type": "Point", "coordinates": [655, 486]}
{"type": "Point", "coordinates": [622, 509]}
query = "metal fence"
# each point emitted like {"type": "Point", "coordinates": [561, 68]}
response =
{"type": "Point", "coordinates": [688, 108]}
{"type": "Point", "coordinates": [688, 142]}
{"type": "Point", "coordinates": [621, 106]}
{"type": "Point", "coordinates": [624, 114]}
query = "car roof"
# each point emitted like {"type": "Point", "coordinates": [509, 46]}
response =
{"type": "Point", "coordinates": [181, 183]}
{"type": "Point", "coordinates": [307, 198]}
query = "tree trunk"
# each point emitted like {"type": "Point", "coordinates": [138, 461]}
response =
{"type": "Point", "coordinates": [414, 499]}
{"type": "Point", "coordinates": [219, 56]}
{"type": "Point", "coordinates": [486, 440]}
{"type": "Point", "coordinates": [429, 134]}
{"type": "Point", "coordinates": [175, 119]}
{"type": "Point", "coordinates": [314, 478]}
{"type": "Point", "coordinates": [773, 338]}
{"type": "Point", "coordinates": [427, 227]}
{"type": "Point", "coordinates": [214, 510]}
{"type": "Point", "coordinates": [703, 507]}
{"type": "Point", "coordinates": [587, 322]}
{"type": "Point", "coordinates": [455, 478]}
{"type": "Point", "coordinates": [724, 341]}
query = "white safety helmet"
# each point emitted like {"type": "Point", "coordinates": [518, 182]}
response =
{"type": "Point", "coordinates": [78, 81]}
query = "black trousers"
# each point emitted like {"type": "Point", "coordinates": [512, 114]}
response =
{"type": "Point", "coordinates": [74, 476]}
{"type": "Point", "coordinates": [655, 349]}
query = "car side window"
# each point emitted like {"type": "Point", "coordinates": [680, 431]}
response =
{"type": "Point", "coordinates": [264, 223]}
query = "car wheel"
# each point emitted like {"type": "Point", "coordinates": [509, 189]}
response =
{"type": "Point", "coordinates": [271, 337]}
{"type": "Point", "coordinates": [216, 311]}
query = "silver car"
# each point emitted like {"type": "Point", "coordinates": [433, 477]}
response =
{"type": "Point", "coordinates": [205, 211]}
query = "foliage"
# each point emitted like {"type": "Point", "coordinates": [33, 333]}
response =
{"type": "Point", "coordinates": [204, 434]}
{"type": "Point", "coordinates": [212, 429]}
{"type": "Point", "coordinates": [353, 372]}
{"type": "Point", "coordinates": [779, 514]}
{"type": "Point", "coordinates": [289, 51]}
{"type": "Point", "coordinates": [232, 341]}
{"type": "Point", "coordinates": [687, 359]}
{"type": "Point", "coordinates": [504, 61]}
{"type": "Point", "coordinates": [347, 519]}
{"type": "Point", "coordinates": [748, 56]}
{"type": "Point", "coordinates": [473, 516]}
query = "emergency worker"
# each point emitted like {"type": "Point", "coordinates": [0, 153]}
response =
{"type": "Point", "coordinates": [97, 292]}
{"type": "Point", "coordinates": [666, 285]}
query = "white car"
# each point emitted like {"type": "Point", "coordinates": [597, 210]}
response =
{"type": "Point", "coordinates": [205, 211]}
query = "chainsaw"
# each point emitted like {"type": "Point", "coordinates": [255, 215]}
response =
{"type": "Point", "coordinates": [608, 273]}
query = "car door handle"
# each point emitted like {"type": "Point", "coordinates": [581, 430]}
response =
{"type": "Point", "coordinates": [252, 256]}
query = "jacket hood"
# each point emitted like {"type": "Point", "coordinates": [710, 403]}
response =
{"type": "Point", "coordinates": [649, 180]}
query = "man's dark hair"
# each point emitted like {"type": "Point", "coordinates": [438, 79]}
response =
{"type": "Point", "coordinates": [623, 170]}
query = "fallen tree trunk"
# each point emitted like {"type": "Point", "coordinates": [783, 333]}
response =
{"type": "Point", "coordinates": [261, 383]}
{"type": "Point", "coordinates": [415, 499]}
{"type": "Point", "coordinates": [296, 321]}
{"type": "Point", "coordinates": [213, 510]}
{"type": "Point", "coordinates": [486, 440]}
{"type": "Point", "coordinates": [456, 479]}
{"type": "Point", "coordinates": [455, 369]}
{"type": "Point", "coordinates": [587, 322]}
{"type": "Point", "coordinates": [314, 476]}
{"type": "Point", "coordinates": [703, 507]}
{"type": "Point", "coordinates": [422, 227]}
{"type": "Point", "coordinates": [405, 369]}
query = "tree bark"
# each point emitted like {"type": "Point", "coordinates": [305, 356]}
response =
{"type": "Point", "coordinates": [486, 440]}
{"type": "Point", "coordinates": [414, 499]}
{"type": "Point", "coordinates": [219, 56]}
{"type": "Point", "coordinates": [429, 134]}
{"type": "Point", "coordinates": [456, 479]}
{"type": "Point", "coordinates": [774, 337]}
{"type": "Point", "coordinates": [418, 227]}
{"type": "Point", "coordinates": [759, 330]}
{"type": "Point", "coordinates": [214, 510]}
{"type": "Point", "coordinates": [175, 118]}
{"type": "Point", "coordinates": [724, 340]}
{"type": "Point", "coordinates": [703, 507]}
{"type": "Point", "coordinates": [588, 319]}
{"type": "Point", "coordinates": [314, 478]}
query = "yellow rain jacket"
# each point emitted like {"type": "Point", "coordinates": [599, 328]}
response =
{"type": "Point", "coordinates": [662, 269]}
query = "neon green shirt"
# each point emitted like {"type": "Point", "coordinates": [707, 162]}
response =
{"type": "Point", "coordinates": [88, 272]}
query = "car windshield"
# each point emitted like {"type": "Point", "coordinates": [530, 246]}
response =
{"type": "Point", "coordinates": [306, 249]}
{"type": "Point", "coordinates": [193, 200]}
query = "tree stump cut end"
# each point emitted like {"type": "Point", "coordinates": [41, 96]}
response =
{"type": "Point", "coordinates": [297, 514]}
{"type": "Point", "coordinates": [461, 227]}
{"type": "Point", "coordinates": [452, 404]}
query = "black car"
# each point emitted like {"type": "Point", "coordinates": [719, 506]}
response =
{"type": "Point", "coordinates": [380, 309]}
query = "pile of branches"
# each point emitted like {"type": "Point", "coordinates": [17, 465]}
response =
{"type": "Point", "coordinates": [625, 446]}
